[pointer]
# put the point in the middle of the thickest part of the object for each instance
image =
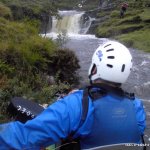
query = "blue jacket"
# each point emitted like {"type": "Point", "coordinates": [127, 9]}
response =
{"type": "Point", "coordinates": [56, 122]}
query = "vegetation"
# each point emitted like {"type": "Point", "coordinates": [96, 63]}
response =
{"type": "Point", "coordinates": [31, 66]}
{"type": "Point", "coordinates": [133, 29]}
{"type": "Point", "coordinates": [30, 8]}
{"type": "Point", "coordinates": [66, 65]}
{"type": "Point", "coordinates": [5, 11]}
{"type": "Point", "coordinates": [39, 10]}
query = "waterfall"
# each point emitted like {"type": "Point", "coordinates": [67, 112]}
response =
{"type": "Point", "coordinates": [70, 22]}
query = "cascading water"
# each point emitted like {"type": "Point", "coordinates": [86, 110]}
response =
{"type": "Point", "coordinates": [70, 22]}
{"type": "Point", "coordinates": [73, 23]}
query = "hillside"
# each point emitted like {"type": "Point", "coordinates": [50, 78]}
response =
{"type": "Point", "coordinates": [133, 29]}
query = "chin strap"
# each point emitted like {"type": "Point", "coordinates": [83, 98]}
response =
{"type": "Point", "coordinates": [90, 79]}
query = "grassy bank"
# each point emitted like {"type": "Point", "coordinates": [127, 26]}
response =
{"type": "Point", "coordinates": [133, 29]}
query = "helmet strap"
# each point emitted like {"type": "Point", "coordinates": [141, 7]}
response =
{"type": "Point", "coordinates": [90, 79]}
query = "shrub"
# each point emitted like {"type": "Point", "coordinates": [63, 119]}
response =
{"type": "Point", "coordinates": [64, 65]}
{"type": "Point", "coordinates": [5, 11]}
{"type": "Point", "coordinates": [62, 39]}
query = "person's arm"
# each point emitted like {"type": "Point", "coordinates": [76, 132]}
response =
{"type": "Point", "coordinates": [56, 122]}
{"type": "Point", "coordinates": [140, 115]}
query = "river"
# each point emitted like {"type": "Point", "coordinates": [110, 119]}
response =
{"type": "Point", "coordinates": [84, 45]}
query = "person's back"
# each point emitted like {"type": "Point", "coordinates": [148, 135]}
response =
{"type": "Point", "coordinates": [113, 118]}
{"type": "Point", "coordinates": [114, 122]}
{"type": "Point", "coordinates": [117, 115]}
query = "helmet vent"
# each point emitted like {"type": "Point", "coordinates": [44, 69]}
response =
{"type": "Point", "coordinates": [94, 70]}
{"type": "Point", "coordinates": [110, 57]}
{"type": "Point", "coordinates": [107, 45]}
{"type": "Point", "coordinates": [109, 50]}
{"type": "Point", "coordinates": [123, 68]}
{"type": "Point", "coordinates": [110, 66]}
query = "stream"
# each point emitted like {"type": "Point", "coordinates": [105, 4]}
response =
{"type": "Point", "coordinates": [84, 45]}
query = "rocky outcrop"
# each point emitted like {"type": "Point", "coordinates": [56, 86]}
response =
{"type": "Point", "coordinates": [95, 23]}
{"type": "Point", "coordinates": [96, 19]}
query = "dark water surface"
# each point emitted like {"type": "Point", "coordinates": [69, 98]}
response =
{"type": "Point", "coordinates": [139, 79]}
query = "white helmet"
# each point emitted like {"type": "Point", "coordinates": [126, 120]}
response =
{"type": "Point", "coordinates": [111, 62]}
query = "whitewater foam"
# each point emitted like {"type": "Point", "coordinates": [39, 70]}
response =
{"type": "Point", "coordinates": [54, 36]}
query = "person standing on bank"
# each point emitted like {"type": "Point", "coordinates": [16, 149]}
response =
{"type": "Point", "coordinates": [123, 9]}
{"type": "Point", "coordinates": [113, 116]}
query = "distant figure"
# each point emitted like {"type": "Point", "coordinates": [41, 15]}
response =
{"type": "Point", "coordinates": [123, 9]}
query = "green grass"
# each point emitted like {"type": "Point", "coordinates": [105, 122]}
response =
{"type": "Point", "coordinates": [145, 15]}
{"type": "Point", "coordinates": [112, 29]}
{"type": "Point", "coordinates": [138, 39]}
